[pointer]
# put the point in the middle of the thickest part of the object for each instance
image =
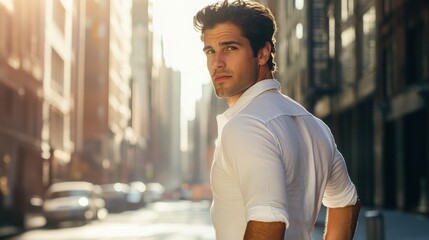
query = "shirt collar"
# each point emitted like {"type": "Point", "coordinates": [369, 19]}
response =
{"type": "Point", "coordinates": [249, 94]}
{"type": "Point", "coordinates": [245, 98]}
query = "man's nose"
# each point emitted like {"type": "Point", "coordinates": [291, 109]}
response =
{"type": "Point", "coordinates": [218, 60]}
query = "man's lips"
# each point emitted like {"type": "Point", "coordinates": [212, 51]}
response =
{"type": "Point", "coordinates": [221, 77]}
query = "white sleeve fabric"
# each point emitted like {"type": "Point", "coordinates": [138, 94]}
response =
{"type": "Point", "coordinates": [339, 191]}
{"type": "Point", "coordinates": [252, 154]}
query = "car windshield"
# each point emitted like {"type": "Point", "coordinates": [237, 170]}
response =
{"type": "Point", "coordinates": [72, 193]}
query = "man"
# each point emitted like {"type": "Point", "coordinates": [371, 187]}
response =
{"type": "Point", "coordinates": [274, 162]}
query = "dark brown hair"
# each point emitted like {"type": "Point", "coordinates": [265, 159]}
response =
{"type": "Point", "coordinates": [256, 22]}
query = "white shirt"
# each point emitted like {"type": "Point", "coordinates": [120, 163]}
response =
{"type": "Point", "coordinates": [274, 161]}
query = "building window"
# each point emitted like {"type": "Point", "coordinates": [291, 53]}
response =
{"type": "Point", "coordinates": [57, 74]}
{"type": "Point", "coordinates": [348, 56]}
{"type": "Point", "coordinates": [31, 114]}
{"type": "Point", "coordinates": [387, 7]}
{"type": "Point", "coordinates": [387, 70]}
{"type": "Point", "coordinates": [299, 4]}
{"type": "Point", "coordinates": [59, 14]}
{"type": "Point", "coordinates": [5, 34]}
{"type": "Point", "coordinates": [19, 111]}
{"type": "Point", "coordinates": [56, 129]}
{"type": "Point", "coordinates": [415, 49]}
{"type": "Point", "coordinates": [347, 8]}
{"type": "Point", "coordinates": [6, 104]}
{"type": "Point", "coordinates": [368, 40]}
{"type": "Point", "coordinates": [331, 35]}
{"type": "Point", "coordinates": [299, 30]}
{"type": "Point", "coordinates": [35, 24]}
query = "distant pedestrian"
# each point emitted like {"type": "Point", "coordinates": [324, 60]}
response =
{"type": "Point", "coordinates": [274, 163]}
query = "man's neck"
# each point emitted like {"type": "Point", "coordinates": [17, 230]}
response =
{"type": "Point", "coordinates": [264, 73]}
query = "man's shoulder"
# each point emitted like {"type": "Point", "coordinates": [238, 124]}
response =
{"type": "Point", "coordinates": [273, 104]}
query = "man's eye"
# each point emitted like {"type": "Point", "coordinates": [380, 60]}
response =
{"type": "Point", "coordinates": [209, 52]}
{"type": "Point", "coordinates": [230, 48]}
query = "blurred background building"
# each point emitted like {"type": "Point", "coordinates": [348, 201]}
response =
{"type": "Point", "coordinates": [80, 99]}
{"type": "Point", "coordinates": [363, 67]}
{"type": "Point", "coordinates": [85, 94]}
{"type": "Point", "coordinates": [107, 133]}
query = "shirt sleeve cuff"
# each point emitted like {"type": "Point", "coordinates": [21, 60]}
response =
{"type": "Point", "coordinates": [267, 214]}
{"type": "Point", "coordinates": [348, 198]}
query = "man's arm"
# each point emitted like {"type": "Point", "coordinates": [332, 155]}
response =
{"type": "Point", "coordinates": [341, 222]}
{"type": "Point", "coordinates": [264, 230]}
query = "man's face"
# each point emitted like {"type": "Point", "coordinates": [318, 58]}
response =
{"type": "Point", "coordinates": [230, 61]}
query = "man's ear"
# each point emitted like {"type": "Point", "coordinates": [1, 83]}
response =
{"type": "Point", "coordinates": [264, 54]}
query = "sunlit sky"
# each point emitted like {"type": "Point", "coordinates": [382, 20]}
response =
{"type": "Point", "coordinates": [173, 23]}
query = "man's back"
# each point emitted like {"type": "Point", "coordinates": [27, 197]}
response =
{"type": "Point", "coordinates": [277, 156]}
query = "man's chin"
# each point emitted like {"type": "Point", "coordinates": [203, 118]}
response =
{"type": "Point", "coordinates": [220, 96]}
{"type": "Point", "coordinates": [219, 93]}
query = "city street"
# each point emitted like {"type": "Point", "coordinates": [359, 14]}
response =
{"type": "Point", "coordinates": [188, 220]}
{"type": "Point", "coordinates": [161, 220]}
{"type": "Point", "coordinates": [108, 105]}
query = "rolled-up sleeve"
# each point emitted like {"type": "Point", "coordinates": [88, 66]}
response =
{"type": "Point", "coordinates": [267, 214]}
{"type": "Point", "coordinates": [340, 191]}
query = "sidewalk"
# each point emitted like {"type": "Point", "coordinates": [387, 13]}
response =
{"type": "Point", "coordinates": [397, 225]}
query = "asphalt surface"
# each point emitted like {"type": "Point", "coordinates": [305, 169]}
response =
{"type": "Point", "coordinates": [382, 224]}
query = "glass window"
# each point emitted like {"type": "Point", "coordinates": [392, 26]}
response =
{"type": "Point", "coordinates": [5, 35]}
{"type": "Point", "coordinates": [387, 7]}
{"type": "Point", "coordinates": [34, 42]}
{"type": "Point", "coordinates": [368, 40]}
{"type": "Point", "coordinates": [59, 14]}
{"type": "Point", "coordinates": [56, 131]}
{"type": "Point", "coordinates": [347, 8]}
{"type": "Point", "coordinates": [299, 31]}
{"type": "Point", "coordinates": [6, 104]}
{"type": "Point", "coordinates": [415, 49]}
{"type": "Point", "coordinates": [331, 35]}
{"type": "Point", "coordinates": [388, 76]}
{"type": "Point", "coordinates": [299, 4]}
{"type": "Point", "coordinates": [348, 57]}
{"type": "Point", "coordinates": [57, 73]}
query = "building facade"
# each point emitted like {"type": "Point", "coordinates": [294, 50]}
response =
{"type": "Point", "coordinates": [141, 70]}
{"type": "Point", "coordinates": [76, 104]}
{"type": "Point", "coordinates": [362, 66]}
{"type": "Point", "coordinates": [403, 103]}
{"type": "Point", "coordinates": [107, 91]}
{"type": "Point", "coordinates": [23, 171]}
{"type": "Point", "coordinates": [57, 145]}
{"type": "Point", "coordinates": [165, 153]}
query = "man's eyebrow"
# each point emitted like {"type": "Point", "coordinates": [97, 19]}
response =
{"type": "Point", "coordinates": [206, 47]}
{"type": "Point", "coordinates": [229, 43]}
{"type": "Point", "coordinates": [226, 43]}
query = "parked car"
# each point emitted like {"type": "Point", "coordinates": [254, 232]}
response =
{"type": "Point", "coordinates": [115, 196]}
{"type": "Point", "coordinates": [72, 201]}
{"type": "Point", "coordinates": [154, 192]}
{"type": "Point", "coordinates": [136, 198]}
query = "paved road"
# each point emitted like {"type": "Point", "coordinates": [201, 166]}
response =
{"type": "Point", "coordinates": [162, 220]}
{"type": "Point", "coordinates": [186, 220]}
{"type": "Point", "coordinates": [398, 225]}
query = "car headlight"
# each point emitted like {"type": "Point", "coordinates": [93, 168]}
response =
{"type": "Point", "coordinates": [83, 201]}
